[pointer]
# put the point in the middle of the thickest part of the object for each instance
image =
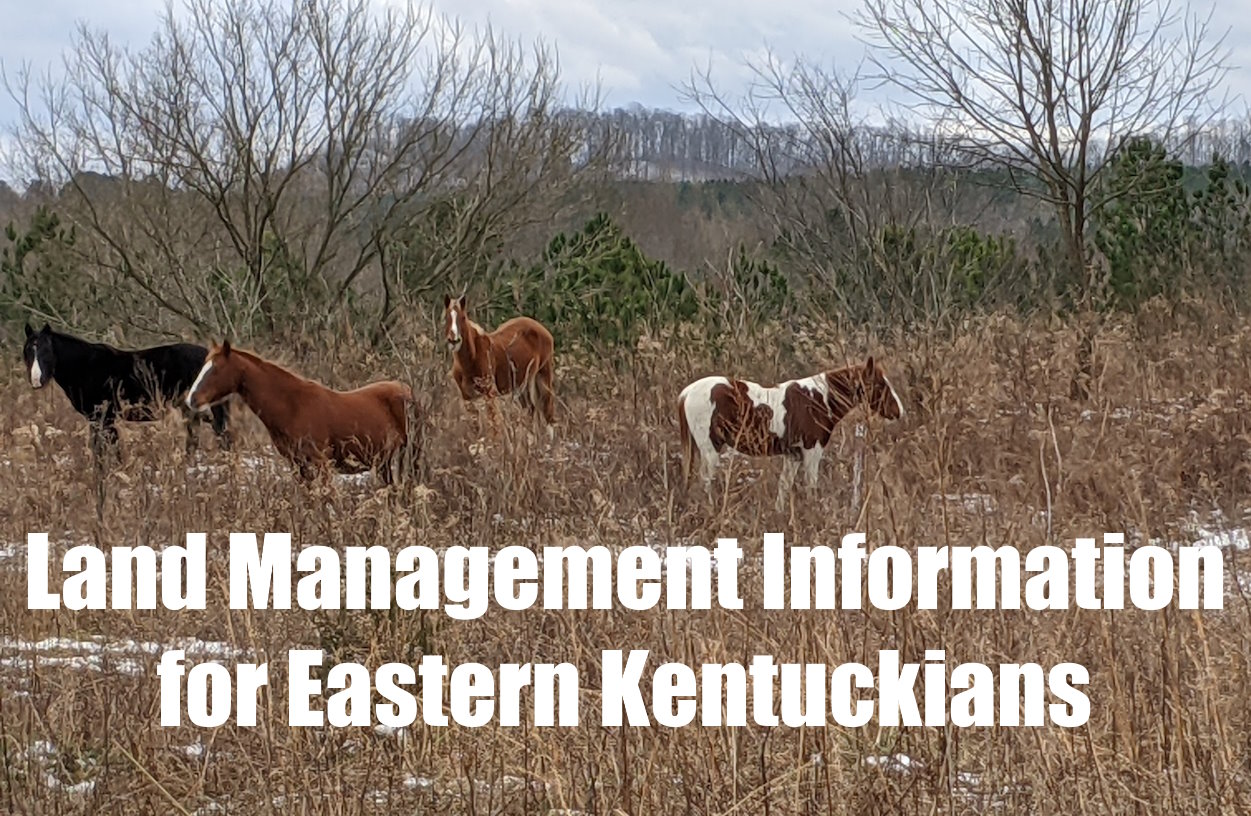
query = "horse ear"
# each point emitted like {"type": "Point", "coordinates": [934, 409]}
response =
{"type": "Point", "coordinates": [29, 330]}
{"type": "Point", "coordinates": [225, 348]}
{"type": "Point", "coordinates": [460, 301]}
{"type": "Point", "coordinates": [447, 300]}
{"type": "Point", "coordinates": [868, 366]}
{"type": "Point", "coordinates": [47, 329]}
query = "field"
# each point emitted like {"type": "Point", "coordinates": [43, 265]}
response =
{"type": "Point", "coordinates": [992, 449]}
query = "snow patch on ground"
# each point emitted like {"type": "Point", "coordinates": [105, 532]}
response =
{"type": "Point", "coordinates": [979, 503]}
{"type": "Point", "coordinates": [272, 466]}
{"type": "Point", "coordinates": [71, 775]}
{"type": "Point", "coordinates": [97, 654]}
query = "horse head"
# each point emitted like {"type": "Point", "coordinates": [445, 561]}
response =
{"type": "Point", "coordinates": [454, 320]}
{"type": "Point", "coordinates": [220, 377]}
{"type": "Point", "coordinates": [877, 392]}
{"type": "Point", "coordinates": [39, 356]}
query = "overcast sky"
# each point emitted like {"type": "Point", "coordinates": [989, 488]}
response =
{"type": "Point", "coordinates": [640, 49]}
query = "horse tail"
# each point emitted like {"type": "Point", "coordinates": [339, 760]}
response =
{"type": "Point", "coordinates": [538, 388]}
{"type": "Point", "coordinates": [545, 377]}
{"type": "Point", "coordinates": [532, 382]}
{"type": "Point", "coordinates": [688, 440]}
{"type": "Point", "coordinates": [412, 418]}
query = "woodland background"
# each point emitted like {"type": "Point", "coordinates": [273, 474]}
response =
{"type": "Point", "coordinates": [1048, 250]}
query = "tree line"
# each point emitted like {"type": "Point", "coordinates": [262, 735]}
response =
{"type": "Point", "coordinates": [262, 167]}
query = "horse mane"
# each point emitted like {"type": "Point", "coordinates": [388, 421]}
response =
{"type": "Point", "coordinates": [81, 341]}
{"type": "Point", "coordinates": [852, 370]}
{"type": "Point", "coordinates": [99, 345]}
{"type": "Point", "coordinates": [272, 364]}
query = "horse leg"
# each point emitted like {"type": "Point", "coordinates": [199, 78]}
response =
{"type": "Point", "coordinates": [384, 467]}
{"type": "Point", "coordinates": [105, 453]}
{"type": "Point", "coordinates": [191, 421]}
{"type": "Point", "coordinates": [404, 461]}
{"type": "Point", "coordinates": [493, 416]}
{"type": "Point", "coordinates": [409, 451]}
{"type": "Point", "coordinates": [304, 458]}
{"type": "Point", "coordinates": [708, 469]}
{"type": "Point", "coordinates": [528, 395]}
{"type": "Point", "coordinates": [400, 463]}
{"type": "Point", "coordinates": [812, 466]}
{"type": "Point", "coordinates": [477, 402]}
{"type": "Point", "coordinates": [105, 445]}
{"type": "Point", "coordinates": [221, 416]}
{"type": "Point", "coordinates": [481, 410]}
{"type": "Point", "coordinates": [539, 427]}
{"type": "Point", "coordinates": [317, 477]}
{"type": "Point", "coordinates": [312, 473]}
{"type": "Point", "coordinates": [790, 468]}
{"type": "Point", "coordinates": [547, 399]}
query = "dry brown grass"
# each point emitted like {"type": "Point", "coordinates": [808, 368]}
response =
{"type": "Point", "coordinates": [1166, 436]}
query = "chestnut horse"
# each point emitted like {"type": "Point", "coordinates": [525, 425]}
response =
{"type": "Point", "coordinates": [311, 425]}
{"type": "Point", "coordinates": [515, 358]}
{"type": "Point", "coordinates": [794, 419]}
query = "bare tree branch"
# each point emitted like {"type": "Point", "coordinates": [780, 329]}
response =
{"type": "Point", "coordinates": [1048, 89]}
{"type": "Point", "coordinates": [286, 141]}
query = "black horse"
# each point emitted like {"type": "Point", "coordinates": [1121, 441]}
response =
{"type": "Point", "coordinates": [105, 384]}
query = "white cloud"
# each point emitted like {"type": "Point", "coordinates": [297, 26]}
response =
{"type": "Point", "coordinates": [644, 49]}
{"type": "Point", "coordinates": [640, 50]}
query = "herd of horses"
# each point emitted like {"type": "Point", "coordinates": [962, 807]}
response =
{"type": "Point", "coordinates": [377, 427]}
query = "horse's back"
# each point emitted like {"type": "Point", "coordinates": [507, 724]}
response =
{"type": "Point", "coordinates": [697, 398]}
{"type": "Point", "coordinates": [384, 390]}
{"type": "Point", "coordinates": [728, 411]}
{"type": "Point", "coordinates": [697, 402]}
{"type": "Point", "coordinates": [182, 349]}
{"type": "Point", "coordinates": [540, 339]}
{"type": "Point", "coordinates": [174, 367]}
{"type": "Point", "coordinates": [393, 396]}
{"type": "Point", "coordinates": [398, 394]}
{"type": "Point", "coordinates": [702, 388]}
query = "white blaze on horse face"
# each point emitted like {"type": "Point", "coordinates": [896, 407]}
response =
{"type": "Point", "coordinates": [36, 374]}
{"type": "Point", "coordinates": [455, 340]}
{"type": "Point", "coordinates": [208, 365]}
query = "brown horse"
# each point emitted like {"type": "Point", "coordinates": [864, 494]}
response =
{"type": "Point", "coordinates": [794, 419]}
{"type": "Point", "coordinates": [313, 426]}
{"type": "Point", "coordinates": [515, 358]}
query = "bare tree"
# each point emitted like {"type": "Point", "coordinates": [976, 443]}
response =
{"type": "Point", "coordinates": [1046, 90]}
{"type": "Point", "coordinates": [835, 186]}
{"type": "Point", "coordinates": [260, 150]}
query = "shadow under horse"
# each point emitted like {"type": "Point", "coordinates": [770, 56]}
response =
{"type": "Point", "coordinates": [106, 384]}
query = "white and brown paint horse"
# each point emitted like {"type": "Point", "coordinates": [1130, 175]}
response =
{"type": "Point", "coordinates": [516, 358]}
{"type": "Point", "coordinates": [794, 419]}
